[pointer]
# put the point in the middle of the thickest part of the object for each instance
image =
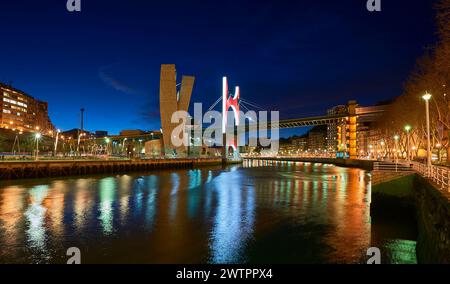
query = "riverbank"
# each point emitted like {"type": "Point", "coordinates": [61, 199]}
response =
{"type": "Point", "coordinates": [44, 169]}
{"type": "Point", "coordinates": [415, 198]}
{"type": "Point", "coordinates": [348, 163]}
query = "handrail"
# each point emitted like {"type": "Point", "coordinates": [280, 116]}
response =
{"type": "Point", "coordinates": [439, 175]}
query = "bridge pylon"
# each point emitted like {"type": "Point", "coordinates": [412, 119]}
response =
{"type": "Point", "coordinates": [229, 139]}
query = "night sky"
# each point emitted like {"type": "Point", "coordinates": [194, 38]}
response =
{"type": "Point", "coordinates": [299, 57]}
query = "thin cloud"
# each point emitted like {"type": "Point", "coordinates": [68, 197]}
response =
{"type": "Point", "coordinates": [116, 84]}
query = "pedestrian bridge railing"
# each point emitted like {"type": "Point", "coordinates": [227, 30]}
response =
{"type": "Point", "coordinates": [439, 175]}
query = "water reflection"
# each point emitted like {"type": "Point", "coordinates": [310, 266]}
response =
{"type": "Point", "coordinates": [11, 207]}
{"type": "Point", "coordinates": [234, 220]}
{"type": "Point", "coordinates": [35, 214]}
{"type": "Point", "coordinates": [261, 212]}
{"type": "Point", "coordinates": [107, 193]}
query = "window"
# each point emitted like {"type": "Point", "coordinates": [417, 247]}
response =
{"type": "Point", "coordinates": [22, 104]}
{"type": "Point", "coordinates": [5, 94]}
{"type": "Point", "coordinates": [10, 101]}
{"type": "Point", "coordinates": [6, 111]}
{"type": "Point", "coordinates": [22, 99]}
{"type": "Point", "coordinates": [18, 108]}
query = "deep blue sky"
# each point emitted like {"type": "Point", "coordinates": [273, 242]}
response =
{"type": "Point", "coordinates": [298, 57]}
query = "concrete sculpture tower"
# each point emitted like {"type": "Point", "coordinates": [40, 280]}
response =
{"type": "Point", "coordinates": [171, 100]}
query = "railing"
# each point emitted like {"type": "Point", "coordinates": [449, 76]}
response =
{"type": "Point", "coordinates": [395, 167]}
{"type": "Point", "coordinates": [439, 175]}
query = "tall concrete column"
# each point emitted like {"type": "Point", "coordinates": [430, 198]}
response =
{"type": "Point", "coordinates": [352, 130]}
{"type": "Point", "coordinates": [170, 102]}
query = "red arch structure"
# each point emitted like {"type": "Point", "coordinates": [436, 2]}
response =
{"type": "Point", "coordinates": [227, 103]}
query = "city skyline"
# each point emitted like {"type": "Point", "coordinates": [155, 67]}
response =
{"type": "Point", "coordinates": [108, 56]}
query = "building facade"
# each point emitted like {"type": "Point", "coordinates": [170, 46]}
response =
{"type": "Point", "coordinates": [317, 139]}
{"type": "Point", "coordinates": [20, 111]}
{"type": "Point", "coordinates": [332, 128]}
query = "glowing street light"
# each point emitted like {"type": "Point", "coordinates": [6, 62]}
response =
{"type": "Point", "coordinates": [408, 129]}
{"type": "Point", "coordinates": [396, 138]}
{"type": "Point", "coordinates": [38, 136]}
{"type": "Point", "coordinates": [427, 98]}
{"type": "Point", "coordinates": [56, 140]}
{"type": "Point", "coordinates": [107, 140]}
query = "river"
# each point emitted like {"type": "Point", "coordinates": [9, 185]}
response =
{"type": "Point", "coordinates": [258, 212]}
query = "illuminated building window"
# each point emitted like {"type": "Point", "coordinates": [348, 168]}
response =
{"type": "Point", "coordinates": [6, 111]}
{"type": "Point", "coordinates": [19, 108]}
{"type": "Point", "coordinates": [22, 99]}
{"type": "Point", "coordinates": [22, 104]}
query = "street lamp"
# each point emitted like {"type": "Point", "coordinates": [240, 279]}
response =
{"type": "Point", "coordinates": [427, 98]}
{"type": "Point", "coordinates": [408, 129]}
{"type": "Point", "coordinates": [38, 137]}
{"type": "Point", "coordinates": [396, 138]}
{"type": "Point", "coordinates": [56, 140]}
{"type": "Point", "coordinates": [107, 140]}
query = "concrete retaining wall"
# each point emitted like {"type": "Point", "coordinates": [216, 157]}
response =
{"type": "Point", "coordinates": [418, 198]}
{"type": "Point", "coordinates": [433, 216]}
{"type": "Point", "coordinates": [43, 169]}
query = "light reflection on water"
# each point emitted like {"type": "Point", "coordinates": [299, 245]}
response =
{"type": "Point", "coordinates": [261, 212]}
{"type": "Point", "coordinates": [35, 214]}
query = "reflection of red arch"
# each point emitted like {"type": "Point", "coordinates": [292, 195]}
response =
{"type": "Point", "coordinates": [227, 103]}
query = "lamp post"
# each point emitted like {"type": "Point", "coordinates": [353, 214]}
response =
{"type": "Point", "coordinates": [107, 140]}
{"type": "Point", "coordinates": [408, 129]}
{"type": "Point", "coordinates": [38, 137]}
{"type": "Point", "coordinates": [427, 98]}
{"type": "Point", "coordinates": [140, 147]}
{"type": "Point", "coordinates": [396, 138]}
{"type": "Point", "coordinates": [56, 140]}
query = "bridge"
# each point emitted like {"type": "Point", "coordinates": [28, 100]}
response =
{"type": "Point", "coordinates": [346, 122]}
{"type": "Point", "coordinates": [363, 114]}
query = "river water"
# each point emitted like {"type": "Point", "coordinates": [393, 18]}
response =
{"type": "Point", "coordinates": [259, 212]}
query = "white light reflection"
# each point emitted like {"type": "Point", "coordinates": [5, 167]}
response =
{"type": "Point", "coordinates": [234, 220]}
{"type": "Point", "coordinates": [150, 211]}
{"type": "Point", "coordinates": [35, 215]}
{"type": "Point", "coordinates": [107, 193]}
{"type": "Point", "coordinates": [175, 179]}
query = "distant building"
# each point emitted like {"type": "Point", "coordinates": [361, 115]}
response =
{"type": "Point", "coordinates": [293, 145]}
{"type": "Point", "coordinates": [153, 148]}
{"type": "Point", "coordinates": [21, 111]}
{"type": "Point", "coordinates": [300, 143]}
{"type": "Point", "coordinates": [135, 132]}
{"type": "Point", "coordinates": [101, 134]}
{"type": "Point", "coordinates": [368, 140]}
{"type": "Point", "coordinates": [317, 138]}
{"type": "Point", "coordinates": [332, 128]}
{"type": "Point", "coordinates": [73, 134]}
